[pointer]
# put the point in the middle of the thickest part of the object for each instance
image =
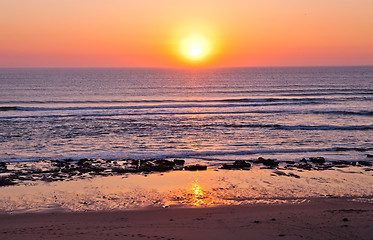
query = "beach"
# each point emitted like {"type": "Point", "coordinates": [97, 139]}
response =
{"type": "Point", "coordinates": [256, 203]}
{"type": "Point", "coordinates": [318, 219]}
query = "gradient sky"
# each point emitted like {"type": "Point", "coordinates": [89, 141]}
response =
{"type": "Point", "coordinates": [147, 33]}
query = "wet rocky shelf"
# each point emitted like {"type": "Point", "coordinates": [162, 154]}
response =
{"type": "Point", "coordinates": [12, 173]}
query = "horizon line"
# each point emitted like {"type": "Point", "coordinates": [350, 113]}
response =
{"type": "Point", "coordinates": [184, 68]}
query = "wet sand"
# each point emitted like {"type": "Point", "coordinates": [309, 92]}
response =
{"type": "Point", "coordinates": [319, 219]}
{"type": "Point", "coordinates": [184, 188]}
{"type": "Point", "coordinates": [260, 203]}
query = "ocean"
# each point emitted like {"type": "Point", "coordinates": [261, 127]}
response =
{"type": "Point", "coordinates": [205, 116]}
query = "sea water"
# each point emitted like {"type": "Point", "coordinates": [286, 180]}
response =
{"type": "Point", "coordinates": [201, 115]}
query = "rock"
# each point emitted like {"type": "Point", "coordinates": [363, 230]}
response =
{"type": "Point", "coordinates": [3, 167]}
{"type": "Point", "coordinates": [369, 155]}
{"type": "Point", "coordinates": [324, 167]}
{"type": "Point", "coordinates": [303, 160]}
{"type": "Point", "coordinates": [317, 160]}
{"type": "Point", "coordinates": [179, 162]}
{"type": "Point", "coordinates": [120, 170]}
{"type": "Point", "coordinates": [83, 161]}
{"type": "Point", "coordinates": [267, 162]}
{"type": "Point", "coordinates": [280, 173]}
{"type": "Point", "coordinates": [289, 162]}
{"type": "Point", "coordinates": [365, 163]}
{"type": "Point", "coordinates": [341, 162]}
{"type": "Point", "coordinates": [240, 164]}
{"type": "Point", "coordinates": [293, 175]}
{"type": "Point", "coordinates": [305, 166]}
{"type": "Point", "coordinates": [195, 167]}
{"type": "Point", "coordinates": [6, 181]}
{"type": "Point", "coordinates": [159, 165]}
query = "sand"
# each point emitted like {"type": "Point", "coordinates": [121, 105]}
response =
{"type": "Point", "coordinates": [325, 218]}
{"type": "Point", "coordinates": [261, 203]}
{"type": "Point", "coordinates": [184, 188]}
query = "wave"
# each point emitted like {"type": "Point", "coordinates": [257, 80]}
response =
{"type": "Point", "coordinates": [299, 127]}
{"type": "Point", "coordinates": [224, 103]}
{"type": "Point", "coordinates": [164, 106]}
{"type": "Point", "coordinates": [194, 154]}
{"type": "Point", "coordinates": [345, 112]}
{"type": "Point", "coordinates": [245, 100]}
{"type": "Point", "coordinates": [112, 114]}
{"type": "Point", "coordinates": [144, 113]}
{"type": "Point", "coordinates": [9, 108]}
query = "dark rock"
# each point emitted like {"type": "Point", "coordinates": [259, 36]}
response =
{"type": "Point", "coordinates": [83, 161]}
{"type": "Point", "coordinates": [240, 164]}
{"type": "Point", "coordinates": [289, 162]}
{"type": "Point", "coordinates": [317, 160]}
{"type": "Point", "coordinates": [58, 163]}
{"type": "Point", "coordinates": [303, 160]}
{"type": "Point", "coordinates": [365, 163]}
{"type": "Point", "coordinates": [293, 175]}
{"type": "Point", "coordinates": [179, 162]}
{"type": "Point", "coordinates": [3, 167]}
{"type": "Point", "coordinates": [324, 167]}
{"type": "Point", "coordinates": [370, 155]}
{"type": "Point", "coordinates": [159, 165]}
{"type": "Point", "coordinates": [345, 219]}
{"type": "Point", "coordinates": [280, 173]}
{"type": "Point", "coordinates": [304, 166]}
{"type": "Point", "coordinates": [195, 167]}
{"type": "Point", "coordinates": [267, 162]}
{"type": "Point", "coordinates": [341, 162]}
{"type": "Point", "coordinates": [120, 170]}
{"type": "Point", "coordinates": [5, 181]}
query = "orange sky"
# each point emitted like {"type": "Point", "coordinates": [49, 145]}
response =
{"type": "Point", "coordinates": [147, 33]}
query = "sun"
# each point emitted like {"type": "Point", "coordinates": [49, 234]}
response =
{"type": "Point", "coordinates": [195, 47]}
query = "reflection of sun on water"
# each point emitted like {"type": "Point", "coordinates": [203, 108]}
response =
{"type": "Point", "coordinates": [194, 195]}
{"type": "Point", "coordinates": [198, 195]}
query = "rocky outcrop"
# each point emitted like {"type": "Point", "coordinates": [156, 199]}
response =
{"type": "Point", "coordinates": [240, 164]}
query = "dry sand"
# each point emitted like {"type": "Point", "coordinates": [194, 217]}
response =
{"type": "Point", "coordinates": [326, 218]}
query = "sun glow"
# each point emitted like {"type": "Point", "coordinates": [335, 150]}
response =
{"type": "Point", "coordinates": [195, 47]}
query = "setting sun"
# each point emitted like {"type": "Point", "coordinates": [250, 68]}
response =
{"type": "Point", "coordinates": [195, 47]}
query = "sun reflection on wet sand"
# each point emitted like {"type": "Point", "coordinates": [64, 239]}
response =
{"type": "Point", "coordinates": [187, 189]}
{"type": "Point", "coordinates": [199, 195]}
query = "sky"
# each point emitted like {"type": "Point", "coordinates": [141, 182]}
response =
{"type": "Point", "coordinates": [148, 33]}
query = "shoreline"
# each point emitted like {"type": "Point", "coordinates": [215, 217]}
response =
{"type": "Point", "coordinates": [318, 219]}
{"type": "Point", "coordinates": [261, 199]}
{"type": "Point", "coordinates": [14, 173]}
{"type": "Point", "coordinates": [206, 188]}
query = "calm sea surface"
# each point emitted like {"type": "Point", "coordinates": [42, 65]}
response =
{"type": "Point", "coordinates": [198, 115]}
